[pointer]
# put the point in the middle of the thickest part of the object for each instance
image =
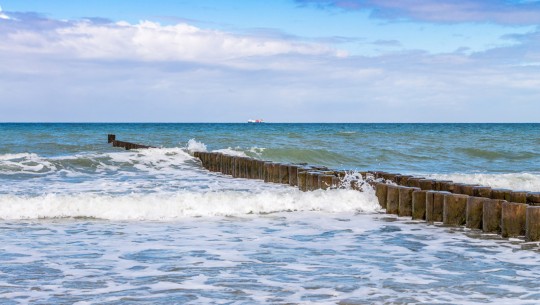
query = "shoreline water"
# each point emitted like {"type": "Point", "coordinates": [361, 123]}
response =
{"type": "Point", "coordinates": [124, 226]}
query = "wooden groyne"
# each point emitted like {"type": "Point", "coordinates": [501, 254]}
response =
{"type": "Point", "coordinates": [492, 210]}
{"type": "Point", "coordinates": [505, 212]}
{"type": "Point", "coordinates": [111, 138]}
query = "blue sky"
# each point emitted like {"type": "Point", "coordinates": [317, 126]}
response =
{"type": "Point", "coordinates": [281, 60]}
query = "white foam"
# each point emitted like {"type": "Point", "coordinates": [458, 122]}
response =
{"type": "Point", "coordinates": [231, 152]}
{"type": "Point", "coordinates": [183, 204]}
{"type": "Point", "coordinates": [193, 146]}
{"type": "Point", "coordinates": [27, 163]}
{"type": "Point", "coordinates": [513, 181]}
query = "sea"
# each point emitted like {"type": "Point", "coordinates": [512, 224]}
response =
{"type": "Point", "coordinates": [82, 222]}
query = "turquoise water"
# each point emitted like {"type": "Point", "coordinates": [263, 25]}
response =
{"type": "Point", "coordinates": [433, 148]}
{"type": "Point", "coordinates": [84, 222]}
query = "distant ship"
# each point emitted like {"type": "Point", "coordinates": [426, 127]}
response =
{"type": "Point", "coordinates": [256, 121]}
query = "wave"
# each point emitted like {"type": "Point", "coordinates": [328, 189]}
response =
{"type": "Point", "coordinates": [515, 181]}
{"type": "Point", "coordinates": [310, 156]}
{"type": "Point", "coordinates": [494, 155]}
{"type": "Point", "coordinates": [167, 207]}
{"type": "Point", "coordinates": [85, 163]}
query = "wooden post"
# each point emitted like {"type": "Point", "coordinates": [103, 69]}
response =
{"type": "Point", "coordinates": [293, 172]}
{"type": "Point", "coordinates": [405, 200]}
{"type": "Point", "coordinates": [381, 190]}
{"type": "Point", "coordinates": [419, 204]}
{"type": "Point", "coordinates": [402, 179]}
{"type": "Point", "coordinates": [474, 214]}
{"type": "Point", "coordinates": [442, 185]}
{"type": "Point", "coordinates": [392, 199]}
{"type": "Point", "coordinates": [325, 181]}
{"type": "Point", "coordinates": [269, 171]}
{"type": "Point", "coordinates": [414, 182]}
{"type": "Point", "coordinates": [336, 182]}
{"type": "Point", "coordinates": [302, 181]}
{"type": "Point", "coordinates": [532, 231]}
{"type": "Point", "coordinates": [434, 206]}
{"type": "Point", "coordinates": [467, 189]}
{"type": "Point", "coordinates": [457, 188]}
{"type": "Point", "coordinates": [315, 181]}
{"type": "Point", "coordinates": [533, 199]}
{"type": "Point", "coordinates": [501, 194]}
{"type": "Point", "coordinates": [491, 218]}
{"type": "Point", "coordinates": [259, 170]}
{"type": "Point", "coordinates": [275, 173]}
{"type": "Point", "coordinates": [454, 209]}
{"type": "Point", "coordinates": [482, 191]}
{"type": "Point", "coordinates": [513, 218]}
{"type": "Point", "coordinates": [284, 173]}
{"type": "Point", "coordinates": [518, 196]}
{"type": "Point", "coordinates": [388, 176]}
{"type": "Point", "coordinates": [427, 184]}
{"type": "Point", "coordinates": [448, 187]}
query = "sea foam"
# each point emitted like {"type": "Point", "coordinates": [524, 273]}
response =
{"type": "Point", "coordinates": [183, 204]}
{"type": "Point", "coordinates": [514, 181]}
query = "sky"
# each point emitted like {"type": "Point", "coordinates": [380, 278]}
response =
{"type": "Point", "coordinates": [277, 60]}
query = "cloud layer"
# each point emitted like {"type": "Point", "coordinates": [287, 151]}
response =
{"type": "Point", "coordinates": [146, 41]}
{"type": "Point", "coordinates": [91, 70]}
{"type": "Point", "coordinates": [496, 11]}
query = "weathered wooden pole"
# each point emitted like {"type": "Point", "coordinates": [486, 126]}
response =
{"type": "Point", "coordinates": [302, 180]}
{"type": "Point", "coordinates": [325, 181]}
{"type": "Point", "coordinates": [434, 206]}
{"type": "Point", "coordinates": [315, 181]}
{"type": "Point", "coordinates": [275, 173]}
{"type": "Point", "coordinates": [454, 209]}
{"type": "Point", "coordinates": [268, 171]}
{"type": "Point", "coordinates": [443, 185]}
{"type": "Point", "coordinates": [427, 184]}
{"type": "Point", "coordinates": [491, 215]}
{"type": "Point", "coordinates": [392, 199]}
{"type": "Point", "coordinates": [532, 230]}
{"type": "Point", "coordinates": [533, 199]}
{"type": "Point", "coordinates": [259, 174]}
{"type": "Point", "coordinates": [456, 188]}
{"type": "Point", "coordinates": [419, 204]}
{"type": "Point", "coordinates": [336, 182]}
{"type": "Point", "coordinates": [501, 194]}
{"type": "Point", "coordinates": [405, 200]}
{"type": "Point", "coordinates": [312, 180]}
{"type": "Point", "coordinates": [519, 196]}
{"type": "Point", "coordinates": [402, 179]}
{"type": "Point", "coordinates": [381, 190]}
{"type": "Point", "coordinates": [284, 174]}
{"type": "Point", "coordinates": [467, 189]}
{"type": "Point", "coordinates": [482, 191]}
{"type": "Point", "coordinates": [513, 218]}
{"type": "Point", "coordinates": [293, 172]}
{"type": "Point", "coordinates": [414, 182]}
{"type": "Point", "coordinates": [474, 214]}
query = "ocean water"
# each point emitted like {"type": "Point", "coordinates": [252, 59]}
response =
{"type": "Point", "coordinates": [83, 222]}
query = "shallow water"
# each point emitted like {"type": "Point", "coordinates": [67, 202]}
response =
{"type": "Point", "coordinates": [281, 258]}
{"type": "Point", "coordinates": [83, 222]}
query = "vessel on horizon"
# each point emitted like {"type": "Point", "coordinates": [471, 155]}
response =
{"type": "Point", "coordinates": [255, 121]}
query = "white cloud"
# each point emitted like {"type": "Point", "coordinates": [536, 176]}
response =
{"type": "Point", "coordinates": [85, 71]}
{"type": "Point", "coordinates": [149, 41]}
{"type": "Point", "coordinates": [2, 15]}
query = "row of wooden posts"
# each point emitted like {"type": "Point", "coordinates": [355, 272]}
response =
{"type": "Point", "coordinates": [111, 138]}
{"type": "Point", "coordinates": [506, 212]}
{"type": "Point", "coordinates": [306, 178]}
